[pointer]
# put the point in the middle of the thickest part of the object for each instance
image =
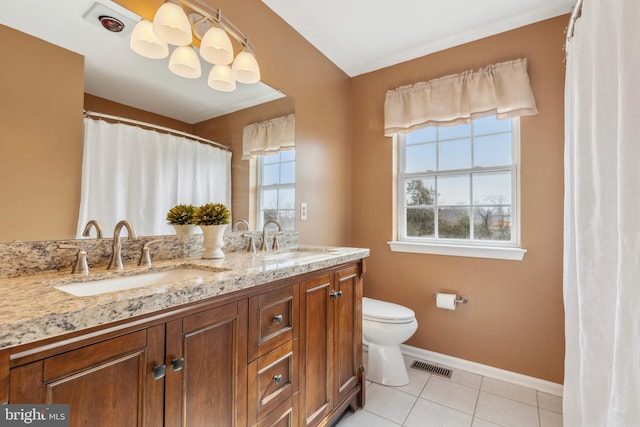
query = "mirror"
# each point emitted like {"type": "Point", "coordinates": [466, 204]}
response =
{"type": "Point", "coordinates": [41, 112]}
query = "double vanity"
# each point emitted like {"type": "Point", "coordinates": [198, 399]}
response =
{"type": "Point", "coordinates": [265, 339]}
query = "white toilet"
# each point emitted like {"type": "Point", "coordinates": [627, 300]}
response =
{"type": "Point", "coordinates": [384, 327]}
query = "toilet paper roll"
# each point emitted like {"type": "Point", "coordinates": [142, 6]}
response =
{"type": "Point", "coordinates": [446, 301]}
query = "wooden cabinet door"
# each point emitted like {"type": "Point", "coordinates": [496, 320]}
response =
{"type": "Point", "coordinates": [206, 359]}
{"type": "Point", "coordinates": [347, 332]}
{"type": "Point", "coordinates": [105, 384]}
{"type": "Point", "coordinates": [316, 350]}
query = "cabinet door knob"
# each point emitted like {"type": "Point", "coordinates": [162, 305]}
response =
{"type": "Point", "coordinates": [177, 364]}
{"type": "Point", "coordinates": [277, 378]}
{"type": "Point", "coordinates": [277, 318]}
{"type": "Point", "coordinates": [159, 371]}
{"type": "Point", "coordinates": [335, 294]}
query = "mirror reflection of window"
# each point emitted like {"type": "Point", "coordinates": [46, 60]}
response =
{"type": "Point", "coordinates": [276, 188]}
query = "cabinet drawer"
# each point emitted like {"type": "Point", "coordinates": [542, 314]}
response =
{"type": "Point", "coordinates": [272, 380]}
{"type": "Point", "coordinates": [273, 320]}
{"type": "Point", "coordinates": [285, 415]}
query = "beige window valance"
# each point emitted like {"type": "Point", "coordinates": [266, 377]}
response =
{"type": "Point", "coordinates": [500, 89]}
{"type": "Point", "coordinates": [269, 137]}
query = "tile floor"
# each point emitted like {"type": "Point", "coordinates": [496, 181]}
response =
{"type": "Point", "coordinates": [465, 400]}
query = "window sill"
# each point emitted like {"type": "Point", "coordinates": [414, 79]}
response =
{"type": "Point", "coordinates": [513, 254]}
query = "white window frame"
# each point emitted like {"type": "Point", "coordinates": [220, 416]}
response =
{"type": "Point", "coordinates": [510, 250]}
{"type": "Point", "coordinates": [279, 186]}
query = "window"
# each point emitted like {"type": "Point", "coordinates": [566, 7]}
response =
{"type": "Point", "coordinates": [276, 188]}
{"type": "Point", "coordinates": [458, 188]}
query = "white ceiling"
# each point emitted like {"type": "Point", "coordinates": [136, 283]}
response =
{"type": "Point", "coordinates": [360, 36]}
{"type": "Point", "coordinates": [113, 71]}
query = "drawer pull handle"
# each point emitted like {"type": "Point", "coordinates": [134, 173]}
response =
{"type": "Point", "coordinates": [335, 294]}
{"type": "Point", "coordinates": [277, 318]}
{"type": "Point", "coordinates": [277, 378]}
{"type": "Point", "coordinates": [177, 364]}
{"type": "Point", "coordinates": [159, 371]}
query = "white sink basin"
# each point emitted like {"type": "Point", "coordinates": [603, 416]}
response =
{"type": "Point", "coordinates": [292, 254]}
{"type": "Point", "coordinates": [115, 284]}
{"type": "Point", "coordinates": [283, 255]}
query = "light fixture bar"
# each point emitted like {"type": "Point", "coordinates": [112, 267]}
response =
{"type": "Point", "coordinates": [176, 22]}
{"type": "Point", "coordinates": [216, 17]}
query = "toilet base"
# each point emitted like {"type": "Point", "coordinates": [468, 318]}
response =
{"type": "Point", "coordinates": [386, 365]}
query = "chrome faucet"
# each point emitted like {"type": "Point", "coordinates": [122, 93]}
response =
{"type": "Point", "coordinates": [239, 222]}
{"type": "Point", "coordinates": [87, 229]}
{"type": "Point", "coordinates": [264, 246]}
{"type": "Point", "coordinates": [115, 263]}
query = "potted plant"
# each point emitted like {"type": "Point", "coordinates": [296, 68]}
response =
{"type": "Point", "coordinates": [182, 218]}
{"type": "Point", "coordinates": [213, 219]}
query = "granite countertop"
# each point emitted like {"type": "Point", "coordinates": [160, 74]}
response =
{"type": "Point", "coordinates": [33, 309]}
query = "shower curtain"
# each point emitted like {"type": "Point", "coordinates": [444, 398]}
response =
{"type": "Point", "coordinates": [602, 217]}
{"type": "Point", "coordinates": [137, 174]}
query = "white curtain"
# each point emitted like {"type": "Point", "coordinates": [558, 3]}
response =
{"type": "Point", "coordinates": [502, 90]}
{"type": "Point", "coordinates": [269, 137]}
{"type": "Point", "coordinates": [602, 225]}
{"type": "Point", "coordinates": [136, 174]}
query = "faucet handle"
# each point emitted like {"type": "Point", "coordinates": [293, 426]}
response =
{"type": "Point", "coordinates": [252, 243]}
{"type": "Point", "coordinates": [80, 266]}
{"type": "Point", "coordinates": [145, 253]}
{"type": "Point", "coordinates": [276, 243]}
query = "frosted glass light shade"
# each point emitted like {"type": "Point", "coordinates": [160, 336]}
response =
{"type": "Point", "coordinates": [185, 63]}
{"type": "Point", "coordinates": [215, 47]}
{"type": "Point", "coordinates": [144, 42]}
{"type": "Point", "coordinates": [245, 68]}
{"type": "Point", "coordinates": [171, 25]}
{"type": "Point", "coordinates": [221, 78]}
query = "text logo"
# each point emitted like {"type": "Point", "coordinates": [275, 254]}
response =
{"type": "Point", "coordinates": [34, 415]}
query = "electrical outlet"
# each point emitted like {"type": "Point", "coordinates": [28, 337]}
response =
{"type": "Point", "coordinates": [303, 211]}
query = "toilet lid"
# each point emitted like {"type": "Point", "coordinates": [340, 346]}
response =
{"type": "Point", "coordinates": [386, 312]}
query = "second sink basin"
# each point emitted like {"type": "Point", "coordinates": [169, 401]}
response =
{"type": "Point", "coordinates": [115, 284]}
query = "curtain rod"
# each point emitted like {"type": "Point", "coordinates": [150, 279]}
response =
{"type": "Point", "coordinates": [575, 12]}
{"type": "Point", "coordinates": [157, 127]}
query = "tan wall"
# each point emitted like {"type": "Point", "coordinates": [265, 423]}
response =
{"type": "Point", "coordinates": [40, 138]}
{"type": "Point", "coordinates": [105, 106]}
{"type": "Point", "coordinates": [514, 318]}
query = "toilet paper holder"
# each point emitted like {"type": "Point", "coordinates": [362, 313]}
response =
{"type": "Point", "coordinates": [461, 300]}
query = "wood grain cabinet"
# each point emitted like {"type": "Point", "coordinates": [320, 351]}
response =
{"type": "Point", "coordinates": [284, 354]}
{"type": "Point", "coordinates": [206, 363]}
{"type": "Point", "coordinates": [331, 345]}
{"type": "Point", "coordinates": [105, 384]}
{"type": "Point", "coordinates": [186, 372]}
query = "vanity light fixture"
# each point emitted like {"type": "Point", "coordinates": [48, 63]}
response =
{"type": "Point", "coordinates": [176, 22]}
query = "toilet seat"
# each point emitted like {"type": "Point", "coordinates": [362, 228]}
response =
{"type": "Point", "coordinates": [386, 312]}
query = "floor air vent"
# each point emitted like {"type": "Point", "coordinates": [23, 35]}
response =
{"type": "Point", "coordinates": [428, 367]}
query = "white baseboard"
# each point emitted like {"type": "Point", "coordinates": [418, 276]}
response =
{"type": "Point", "coordinates": [484, 370]}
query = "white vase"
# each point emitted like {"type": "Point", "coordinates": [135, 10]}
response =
{"type": "Point", "coordinates": [185, 228]}
{"type": "Point", "coordinates": [213, 241]}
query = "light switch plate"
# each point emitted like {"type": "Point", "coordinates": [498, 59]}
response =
{"type": "Point", "coordinates": [303, 211]}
